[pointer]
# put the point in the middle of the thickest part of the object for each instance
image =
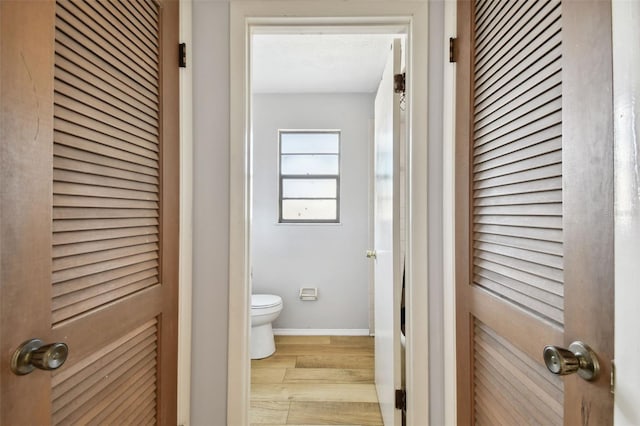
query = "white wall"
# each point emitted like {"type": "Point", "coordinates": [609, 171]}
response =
{"type": "Point", "coordinates": [626, 79]}
{"type": "Point", "coordinates": [330, 257]}
{"type": "Point", "coordinates": [210, 212]}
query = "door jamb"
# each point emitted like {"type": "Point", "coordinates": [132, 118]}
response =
{"type": "Point", "coordinates": [448, 206]}
{"type": "Point", "coordinates": [244, 15]}
{"type": "Point", "coordinates": [186, 221]}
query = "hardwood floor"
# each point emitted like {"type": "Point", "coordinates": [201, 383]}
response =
{"type": "Point", "coordinates": [316, 380]}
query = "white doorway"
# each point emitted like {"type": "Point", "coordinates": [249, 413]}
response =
{"type": "Point", "coordinates": [246, 18]}
{"type": "Point", "coordinates": [314, 163]}
{"type": "Point", "coordinates": [310, 200]}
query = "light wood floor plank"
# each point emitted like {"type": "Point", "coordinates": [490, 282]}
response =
{"type": "Point", "coordinates": [332, 361]}
{"type": "Point", "coordinates": [267, 375]}
{"type": "Point", "coordinates": [314, 392]}
{"type": "Point", "coordinates": [274, 361]}
{"type": "Point", "coordinates": [269, 412]}
{"type": "Point", "coordinates": [335, 413]}
{"type": "Point", "coordinates": [327, 375]}
{"type": "Point", "coordinates": [305, 349]}
{"type": "Point", "coordinates": [362, 341]}
{"type": "Point", "coordinates": [303, 340]}
{"type": "Point", "coordinates": [316, 380]}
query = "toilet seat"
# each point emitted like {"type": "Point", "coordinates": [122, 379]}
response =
{"type": "Point", "coordinates": [264, 301]}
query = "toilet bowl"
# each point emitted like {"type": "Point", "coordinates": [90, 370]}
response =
{"type": "Point", "coordinates": [265, 308]}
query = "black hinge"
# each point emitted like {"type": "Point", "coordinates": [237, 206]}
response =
{"type": "Point", "coordinates": [399, 83]}
{"type": "Point", "coordinates": [453, 49]}
{"type": "Point", "coordinates": [401, 399]}
{"type": "Point", "coordinates": [182, 55]}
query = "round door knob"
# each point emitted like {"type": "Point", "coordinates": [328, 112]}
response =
{"type": "Point", "coordinates": [579, 358]}
{"type": "Point", "coordinates": [34, 354]}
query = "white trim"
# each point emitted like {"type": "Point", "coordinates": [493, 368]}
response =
{"type": "Point", "coordinates": [448, 211]}
{"type": "Point", "coordinates": [417, 274]}
{"type": "Point", "coordinates": [239, 367]}
{"type": "Point", "coordinates": [626, 91]}
{"type": "Point", "coordinates": [321, 331]}
{"type": "Point", "coordinates": [327, 14]}
{"type": "Point", "coordinates": [371, 242]}
{"type": "Point", "coordinates": [186, 221]}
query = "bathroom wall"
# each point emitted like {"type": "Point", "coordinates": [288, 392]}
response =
{"type": "Point", "coordinates": [331, 257]}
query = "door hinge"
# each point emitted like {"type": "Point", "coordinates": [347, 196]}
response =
{"type": "Point", "coordinates": [182, 55]}
{"type": "Point", "coordinates": [453, 49]}
{"type": "Point", "coordinates": [613, 376]}
{"type": "Point", "coordinates": [401, 399]}
{"type": "Point", "coordinates": [399, 83]}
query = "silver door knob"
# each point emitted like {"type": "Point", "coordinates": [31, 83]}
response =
{"type": "Point", "coordinates": [34, 354]}
{"type": "Point", "coordinates": [579, 358]}
{"type": "Point", "coordinates": [371, 254]}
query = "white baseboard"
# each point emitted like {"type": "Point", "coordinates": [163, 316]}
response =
{"type": "Point", "coordinates": [321, 331]}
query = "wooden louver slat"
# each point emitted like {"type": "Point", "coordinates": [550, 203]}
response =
{"type": "Point", "coordinates": [83, 178]}
{"type": "Point", "coordinates": [123, 15]}
{"type": "Point", "coordinates": [106, 162]}
{"type": "Point", "coordinates": [125, 273]}
{"type": "Point", "coordinates": [121, 36]}
{"type": "Point", "coordinates": [517, 160]}
{"type": "Point", "coordinates": [522, 67]}
{"type": "Point", "coordinates": [112, 93]}
{"type": "Point", "coordinates": [99, 40]}
{"type": "Point", "coordinates": [509, 386]}
{"type": "Point", "coordinates": [111, 149]}
{"type": "Point", "coordinates": [69, 86]}
{"type": "Point", "coordinates": [70, 49]}
{"type": "Point", "coordinates": [102, 170]}
{"type": "Point", "coordinates": [92, 109]}
{"type": "Point", "coordinates": [89, 390]}
{"type": "Point", "coordinates": [110, 166]}
{"type": "Point", "coordinates": [142, 20]}
{"type": "Point", "coordinates": [109, 79]}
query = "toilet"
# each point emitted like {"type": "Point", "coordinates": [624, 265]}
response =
{"type": "Point", "coordinates": [265, 308]}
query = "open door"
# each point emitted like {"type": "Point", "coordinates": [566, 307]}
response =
{"type": "Point", "coordinates": [387, 272]}
{"type": "Point", "coordinates": [534, 212]}
{"type": "Point", "coordinates": [88, 212]}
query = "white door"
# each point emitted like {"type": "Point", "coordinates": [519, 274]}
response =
{"type": "Point", "coordinates": [387, 270]}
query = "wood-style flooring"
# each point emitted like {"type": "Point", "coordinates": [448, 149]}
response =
{"type": "Point", "coordinates": [316, 380]}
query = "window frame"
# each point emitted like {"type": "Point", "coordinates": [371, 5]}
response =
{"type": "Point", "coordinates": [282, 177]}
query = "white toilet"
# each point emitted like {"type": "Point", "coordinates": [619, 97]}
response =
{"type": "Point", "coordinates": [265, 308]}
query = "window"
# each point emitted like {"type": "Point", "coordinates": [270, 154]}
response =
{"type": "Point", "coordinates": [309, 176]}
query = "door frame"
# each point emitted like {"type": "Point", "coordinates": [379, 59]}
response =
{"type": "Point", "coordinates": [186, 218]}
{"type": "Point", "coordinates": [244, 17]}
{"type": "Point", "coordinates": [448, 214]}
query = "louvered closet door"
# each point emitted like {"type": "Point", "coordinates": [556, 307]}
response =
{"type": "Point", "coordinates": [103, 183]}
{"type": "Point", "coordinates": [534, 206]}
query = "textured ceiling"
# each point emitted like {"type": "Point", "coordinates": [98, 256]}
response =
{"type": "Point", "coordinates": [318, 63]}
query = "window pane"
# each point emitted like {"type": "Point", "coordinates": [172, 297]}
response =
{"type": "Point", "coordinates": [315, 143]}
{"type": "Point", "coordinates": [309, 210]}
{"type": "Point", "coordinates": [309, 165]}
{"type": "Point", "coordinates": [309, 188]}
